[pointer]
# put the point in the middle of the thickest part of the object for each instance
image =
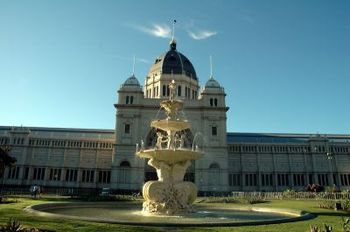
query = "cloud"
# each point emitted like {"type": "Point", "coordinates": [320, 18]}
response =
{"type": "Point", "coordinates": [157, 30]}
{"type": "Point", "coordinates": [201, 34]}
{"type": "Point", "coordinates": [142, 60]}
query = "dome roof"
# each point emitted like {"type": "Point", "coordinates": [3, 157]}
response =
{"type": "Point", "coordinates": [212, 83]}
{"type": "Point", "coordinates": [174, 62]}
{"type": "Point", "coordinates": [132, 81]}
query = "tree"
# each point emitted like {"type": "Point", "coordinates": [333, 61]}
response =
{"type": "Point", "coordinates": [5, 160]}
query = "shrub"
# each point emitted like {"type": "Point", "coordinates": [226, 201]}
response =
{"type": "Point", "coordinates": [327, 228]}
{"type": "Point", "coordinates": [15, 226]}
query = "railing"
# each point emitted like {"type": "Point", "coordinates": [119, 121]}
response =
{"type": "Point", "coordinates": [292, 195]}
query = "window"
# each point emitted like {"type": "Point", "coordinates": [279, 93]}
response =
{"type": "Point", "coordinates": [39, 174]}
{"type": "Point", "coordinates": [26, 173]}
{"type": "Point", "coordinates": [167, 90]}
{"type": "Point", "coordinates": [283, 179]}
{"type": "Point", "coordinates": [131, 99]}
{"type": "Point", "coordinates": [71, 175]}
{"type": "Point", "coordinates": [216, 102]}
{"type": "Point", "coordinates": [164, 90]}
{"type": "Point", "coordinates": [179, 90]}
{"type": "Point", "coordinates": [299, 179]}
{"type": "Point", "coordinates": [88, 176]}
{"type": "Point", "coordinates": [214, 174]}
{"type": "Point", "coordinates": [127, 100]}
{"type": "Point", "coordinates": [234, 179]}
{"type": "Point", "coordinates": [214, 130]}
{"type": "Point", "coordinates": [124, 172]}
{"type": "Point", "coordinates": [266, 179]}
{"type": "Point", "coordinates": [323, 179]}
{"type": "Point", "coordinates": [127, 128]}
{"type": "Point", "coordinates": [55, 174]}
{"type": "Point", "coordinates": [104, 176]}
{"type": "Point", "coordinates": [251, 179]}
{"type": "Point", "coordinates": [211, 102]}
{"type": "Point", "coordinates": [13, 173]}
{"type": "Point", "coordinates": [345, 179]}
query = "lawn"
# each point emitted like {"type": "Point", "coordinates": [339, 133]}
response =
{"type": "Point", "coordinates": [15, 210]}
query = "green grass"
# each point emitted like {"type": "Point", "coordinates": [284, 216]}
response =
{"type": "Point", "coordinates": [15, 210]}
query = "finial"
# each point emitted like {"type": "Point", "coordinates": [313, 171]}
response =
{"type": "Point", "coordinates": [133, 66]}
{"type": "Point", "coordinates": [173, 42]}
{"type": "Point", "coordinates": [173, 32]}
{"type": "Point", "coordinates": [211, 67]}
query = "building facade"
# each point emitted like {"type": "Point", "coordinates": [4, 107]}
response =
{"type": "Point", "coordinates": [59, 158]}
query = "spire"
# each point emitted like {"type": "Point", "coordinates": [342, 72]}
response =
{"type": "Point", "coordinates": [173, 32]}
{"type": "Point", "coordinates": [211, 67]}
{"type": "Point", "coordinates": [173, 41]}
{"type": "Point", "coordinates": [133, 66]}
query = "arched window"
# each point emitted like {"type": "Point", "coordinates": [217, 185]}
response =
{"type": "Point", "coordinates": [127, 100]}
{"type": "Point", "coordinates": [211, 102]}
{"type": "Point", "coordinates": [131, 99]}
{"type": "Point", "coordinates": [214, 166]}
{"type": "Point", "coordinates": [124, 172]}
{"type": "Point", "coordinates": [179, 90]}
{"type": "Point", "coordinates": [214, 174]}
{"type": "Point", "coordinates": [125, 164]}
{"type": "Point", "coordinates": [216, 102]}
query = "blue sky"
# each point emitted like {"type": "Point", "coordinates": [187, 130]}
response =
{"type": "Point", "coordinates": [285, 65]}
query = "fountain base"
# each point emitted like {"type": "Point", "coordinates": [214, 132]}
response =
{"type": "Point", "coordinates": [168, 198]}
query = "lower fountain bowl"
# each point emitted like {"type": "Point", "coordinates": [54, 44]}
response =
{"type": "Point", "coordinates": [129, 213]}
{"type": "Point", "coordinates": [170, 156]}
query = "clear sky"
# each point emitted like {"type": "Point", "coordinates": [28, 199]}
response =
{"type": "Point", "coordinates": [285, 65]}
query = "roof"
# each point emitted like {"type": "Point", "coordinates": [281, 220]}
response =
{"type": "Point", "coordinates": [174, 62]}
{"type": "Point", "coordinates": [283, 138]}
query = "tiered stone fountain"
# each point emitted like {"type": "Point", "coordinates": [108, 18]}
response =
{"type": "Point", "coordinates": [169, 194]}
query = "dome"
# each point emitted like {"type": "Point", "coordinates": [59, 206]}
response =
{"type": "Point", "coordinates": [173, 62]}
{"type": "Point", "coordinates": [132, 81]}
{"type": "Point", "coordinates": [212, 83]}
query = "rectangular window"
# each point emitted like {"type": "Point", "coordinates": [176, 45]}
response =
{"type": "Point", "coordinates": [251, 179]}
{"type": "Point", "coordinates": [266, 179]}
{"type": "Point", "coordinates": [104, 176]}
{"type": "Point", "coordinates": [299, 179]}
{"type": "Point", "coordinates": [13, 173]}
{"type": "Point", "coordinates": [234, 179]}
{"type": "Point", "coordinates": [323, 179]}
{"type": "Point", "coordinates": [214, 130]}
{"type": "Point", "coordinates": [127, 128]}
{"type": "Point", "coordinates": [55, 174]}
{"type": "Point", "coordinates": [282, 179]}
{"type": "Point", "coordinates": [88, 176]}
{"type": "Point", "coordinates": [71, 175]}
{"type": "Point", "coordinates": [39, 174]}
{"type": "Point", "coordinates": [26, 173]}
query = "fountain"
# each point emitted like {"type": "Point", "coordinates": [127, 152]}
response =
{"type": "Point", "coordinates": [169, 194]}
{"type": "Point", "coordinates": [168, 201]}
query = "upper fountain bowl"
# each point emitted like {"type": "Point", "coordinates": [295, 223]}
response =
{"type": "Point", "coordinates": [171, 107]}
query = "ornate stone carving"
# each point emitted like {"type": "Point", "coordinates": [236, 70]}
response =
{"type": "Point", "coordinates": [170, 194]}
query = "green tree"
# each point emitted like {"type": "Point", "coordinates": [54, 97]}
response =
{"type": "Point", "coordinates": [5, 160]}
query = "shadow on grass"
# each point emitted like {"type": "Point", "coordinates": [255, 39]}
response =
{"type": "Point", "coordinates": [333, 214]}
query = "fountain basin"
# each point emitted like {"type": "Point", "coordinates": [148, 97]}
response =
{"type": "Point", "coordinates": [170, 156]}
{"type": "Point", "coordinates": [170, 125]}
{"type": "Point", "coordinates": [130, 213]}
